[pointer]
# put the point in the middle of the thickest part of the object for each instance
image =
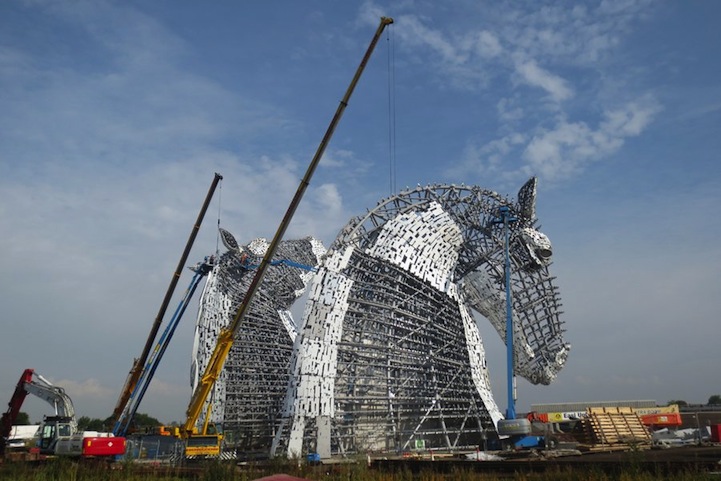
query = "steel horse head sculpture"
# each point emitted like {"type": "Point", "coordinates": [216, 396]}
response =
{"type": "Point", "coordinates": [388, 355]}
{"type": "Point", "coordinates": [248, 396]}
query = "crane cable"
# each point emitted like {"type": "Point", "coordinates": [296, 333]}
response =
{"type": "Point", "coordinates": [391, 113]}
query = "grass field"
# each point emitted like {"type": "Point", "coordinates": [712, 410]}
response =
{"type": "Point", "coordinates": [66, 470]}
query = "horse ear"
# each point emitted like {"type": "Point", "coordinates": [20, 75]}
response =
{"type": "Point", "coordinates": [228, 240]}
{"type": "Point", "coordinates": [527, 199]}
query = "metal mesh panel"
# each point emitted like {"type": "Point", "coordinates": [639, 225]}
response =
{"type": "Point", "coordinates": [389, 354]}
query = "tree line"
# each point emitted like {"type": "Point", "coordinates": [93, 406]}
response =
{"type": "Point", "coordinates": [141, 422]}
{"type": "Point", "coordinates": [145, 423]}
{"type": "Point", "coordinates": [714, 400]}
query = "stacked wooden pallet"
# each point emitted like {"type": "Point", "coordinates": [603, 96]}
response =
{"type": "Point", "coordinates": [612, 429]}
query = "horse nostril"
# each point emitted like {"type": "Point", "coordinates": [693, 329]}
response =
{"type": "Point", "coordinates": [544, 253]}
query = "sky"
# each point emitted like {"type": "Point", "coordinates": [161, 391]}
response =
{"type": "Point", "coordinates": [115, 115]}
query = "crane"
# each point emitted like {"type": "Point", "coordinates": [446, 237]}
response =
{"type": "Point", "coordinates": [136, 370]}
{"type": "Point", "coordinates": [208, 444]}
{"type": "Point", "coordinates": [124, 421]}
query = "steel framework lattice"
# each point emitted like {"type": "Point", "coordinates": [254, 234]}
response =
{"type": "Point", "coordinates": [248, 396]}
{"type": "Point", "coordinates": [388, 355]}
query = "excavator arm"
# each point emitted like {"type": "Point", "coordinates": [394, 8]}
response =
{"type": "Point", "coordinates": [8, 418]}
{"type": "Point", "coordinates": [58, 434]}
{"type": "Point", "coordinates": [53, 395]}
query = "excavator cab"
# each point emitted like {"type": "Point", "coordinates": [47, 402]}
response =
{"type": "Point", "coordinates": [53, 427]}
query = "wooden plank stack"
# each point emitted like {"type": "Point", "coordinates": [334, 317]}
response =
{"type": "Point", "coordinates": [611, 429]}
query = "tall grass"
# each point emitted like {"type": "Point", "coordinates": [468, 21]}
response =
{"type": "Point", "coordinates": [66, 470]}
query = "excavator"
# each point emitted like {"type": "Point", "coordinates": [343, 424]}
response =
{"type": "Point", "coordinates": [58, 433]}
{"type": "Point", "coordinates": [206, 441]}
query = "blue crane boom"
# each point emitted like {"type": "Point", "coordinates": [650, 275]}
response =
{"type": "Point", "coordinates": [124, 421]}
{"type": "Point", "coordinates": [134, 373]}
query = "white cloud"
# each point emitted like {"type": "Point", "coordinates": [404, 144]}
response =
{"type": "Point", "coordinates": [509, 110]}
{"type": "Point", "coordinates": [548, 153]}
{"type": "Point", "coordinates": [416, 33]}
{"type": "Point", "coordinates": [488, 45]}
{"type": "Point", "coordinates": [632, 119]}
{"type": "Point", "coordinates": [558, 153]}
{"type": "Point", "coordinates": [328, 196]}
{"type": "Point", "coordinates": [496, 150]}
{"type": "Point", "coordinates": [322, 213]}
{"type": "Point", "coordinates": [527, 41]}
{"type": "Point", "coordinates": [87, 388]}
{"type": "Point", "coordinates": [458, 59]}
{"type": "Point", "coordinates": [489, 160]}
{"type": "Point", "coordinates": [536, 76]}
{"type": "Point", "coordinates": [582, 35]}
{"type": "Point", "coordinates": [558, 52]}
{"type": "Point", "coordinates": [161, 388]}
{"type": "Point", "coordinates": [338, 158]}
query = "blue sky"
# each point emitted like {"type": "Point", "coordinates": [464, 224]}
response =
{"type": "Point", "coordinates": [115, 115]}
